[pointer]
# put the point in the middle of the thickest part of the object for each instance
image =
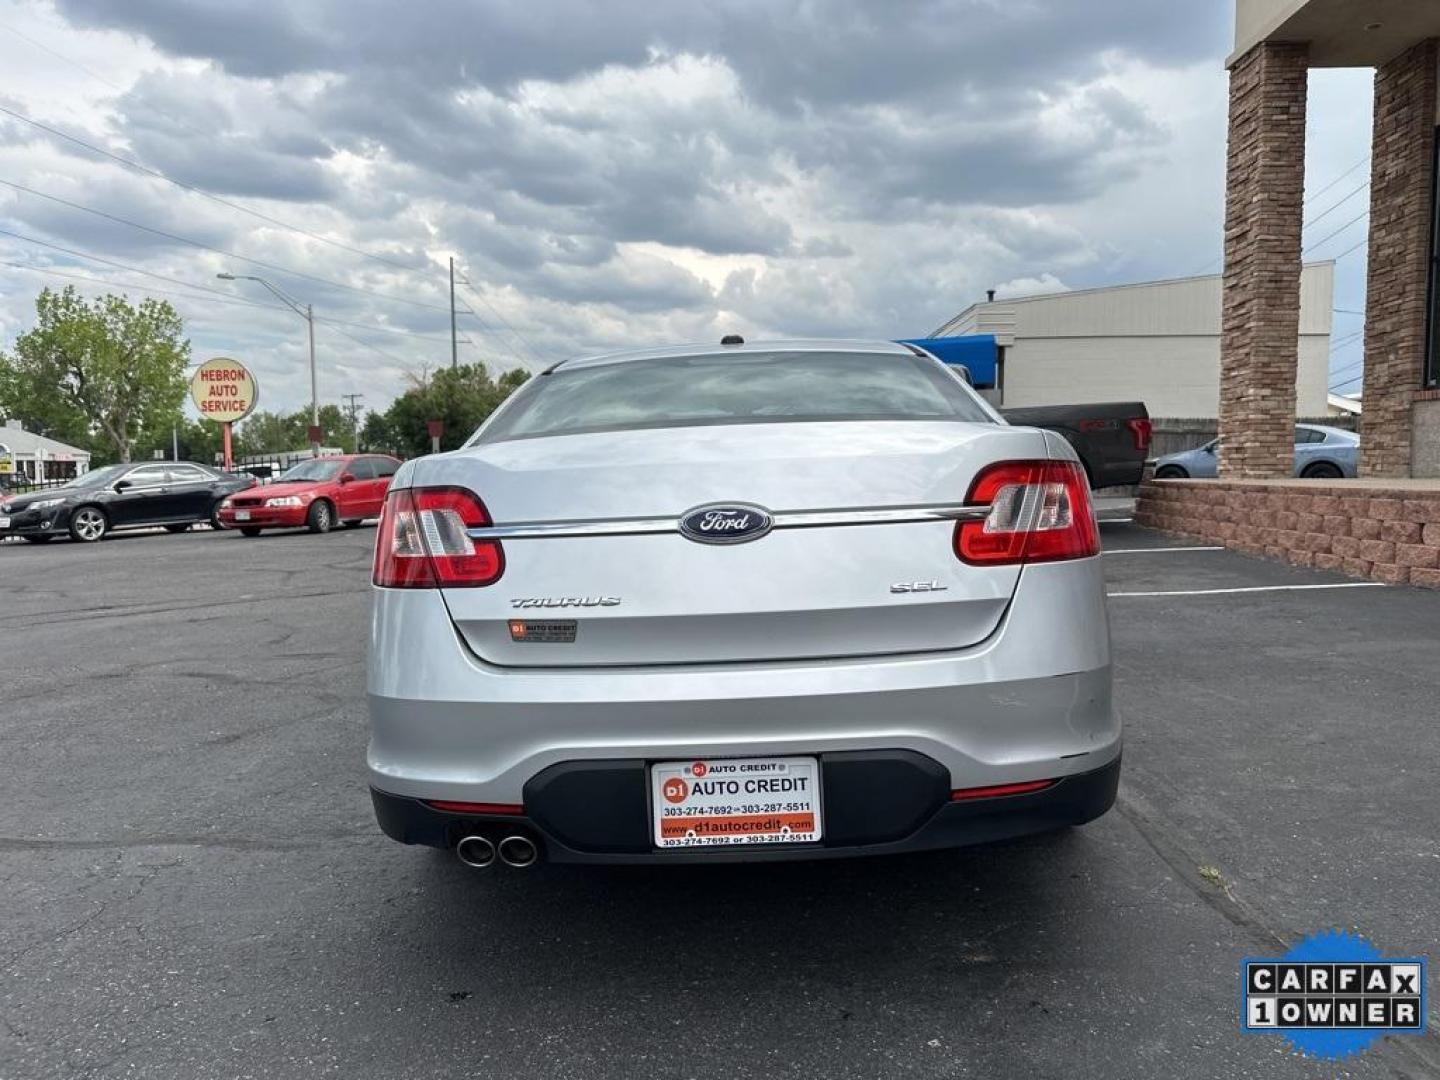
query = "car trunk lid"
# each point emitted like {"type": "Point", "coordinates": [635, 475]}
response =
{"type": "Point", "coordinates": [858, 563]}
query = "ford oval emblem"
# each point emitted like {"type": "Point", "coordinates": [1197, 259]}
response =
{"type": "Point", "coordinates": [725, 523]}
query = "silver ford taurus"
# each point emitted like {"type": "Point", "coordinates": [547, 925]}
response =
{"type": "Point", "coordinates": [765, 601]}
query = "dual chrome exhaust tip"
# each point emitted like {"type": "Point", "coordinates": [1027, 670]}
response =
{"type": "Point", "coordinates": [479, 852]}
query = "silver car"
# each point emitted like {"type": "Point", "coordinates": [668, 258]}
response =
{"type": "Point", "coordinates": [1321, 453]}
{"type": "Point", "coordinates": [766, 601]}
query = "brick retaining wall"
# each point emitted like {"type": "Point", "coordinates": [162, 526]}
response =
{"type": "Point", "coordinates": [1390, 535]}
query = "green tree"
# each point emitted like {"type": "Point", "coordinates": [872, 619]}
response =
{"type": "Point", "coordinates": [197, 440]}
{"type": "Point", "coordinates": [103, 373]}
{"type": "Point", "coordinates": [268, 433]}
{"type": "Point", "coordinates": [459, 397]}
{"type": "Point", "coordinates": [277, 433]}
{"type": "Point", "coordinates": [376, 434]}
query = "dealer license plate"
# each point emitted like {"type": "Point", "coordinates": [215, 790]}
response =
{"type": "Point", "coordinates": [729, 801]}
{"type": "Point", "coordinates": [242, 515]}
{"type": "Point", "coordinates": [4, 522]}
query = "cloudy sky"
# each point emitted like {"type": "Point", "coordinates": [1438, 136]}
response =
{"type": "Point", "coordinates": [610, 173]}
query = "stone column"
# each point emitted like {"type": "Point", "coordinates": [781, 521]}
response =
{"type": "Point", "coordinates": [1401, 182]}
{"type": "Point", "coordinates": [1264, 200]}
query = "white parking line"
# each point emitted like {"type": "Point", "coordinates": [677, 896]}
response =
{"type": "Point", "coordinates": [1257, 588]}
{"type": "Point", "coordinates": [1147, 551]}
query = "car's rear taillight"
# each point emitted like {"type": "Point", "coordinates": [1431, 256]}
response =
{"type": "Point", "coordinates": [1039, 512]}
{"type": "Point", "coordinates": [423, 543]}
{"type": "Point", "coordinates": [1142, 430]}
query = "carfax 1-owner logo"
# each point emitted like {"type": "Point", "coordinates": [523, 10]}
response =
{"type": "Point", "coordinates": [1332, 995]}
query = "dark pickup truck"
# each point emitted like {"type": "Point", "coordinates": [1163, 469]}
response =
{"type": "Point", "coordinates": [1112, 438]}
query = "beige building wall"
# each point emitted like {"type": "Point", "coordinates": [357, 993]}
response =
{"type": "Point", "coordinates": [1158, 343]}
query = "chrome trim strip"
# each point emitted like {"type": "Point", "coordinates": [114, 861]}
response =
{"type": "Point", "coordinates": [799, 519]}
{"type": "Point", "coordinates": [539, 530]}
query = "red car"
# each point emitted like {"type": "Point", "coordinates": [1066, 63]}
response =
{"type": "Point", "coordinates": [315, 494]}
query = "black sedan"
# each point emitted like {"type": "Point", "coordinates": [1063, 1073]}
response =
{"type": "Point", "coordinates": [175, 494]}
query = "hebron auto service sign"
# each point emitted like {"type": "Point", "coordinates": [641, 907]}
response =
{"type": "Point", "coordinates": [223, 390]}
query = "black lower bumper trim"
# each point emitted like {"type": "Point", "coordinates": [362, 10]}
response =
{"type": "Point", "coordinates": [1073, 801]}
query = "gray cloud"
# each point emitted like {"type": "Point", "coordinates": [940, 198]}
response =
{"type": "Point", "coordinates": [623, 171]}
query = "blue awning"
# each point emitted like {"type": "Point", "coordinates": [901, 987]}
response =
{"type": "Point", "coordinates": [977, 352]}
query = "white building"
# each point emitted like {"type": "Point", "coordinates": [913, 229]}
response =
{"type": "Point", "coordinates": [33, 458]}
{"type": "Point", "coordinates": [1157, 342]}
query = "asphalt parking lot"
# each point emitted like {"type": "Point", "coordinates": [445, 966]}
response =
{"type": "Point", "coordinates": [193, 884]}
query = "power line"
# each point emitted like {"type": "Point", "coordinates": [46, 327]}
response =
{"type": "Point", "coordinates": [1311, 199]}
{"type": "Point", "coordinates": [146, 170]}
{"type": "Point", "coordinates": [1335, 346]}
{"type": "Point", "coordinates": [382, 329]}
{"type": "Point", "coordinates": [147, 289]}
{"type": "Point", "coordinates": [219, 251]}
{"type": "Point", "coordinates": [1337, 232]}
{"type": "Point", "coordinates": [1352, 249]}
{"type": "Point", "coordinates": [73, 63]}
{"type": "Point", "coordinates": [128, 163]}
{"type": "Point", "coordinates": [373, 348]}
{"type": "Point", "coordinates": [126, 266]}
{"type": "Point", "coordinates": [1337, 180]}
{"type": "Point", "coordinates": [219, 296]}
{"type": "Point", "coordinates": [1351, 366]}
{"type": "Point", "coordinates": [502, 346]}
{"type": "Point", "coordinates": [1334, 206]}
{"type": "Point", "coordinates": [117, 87]}
{"type": "Point", "coordinates": [534, 356]}
{"type": "Point", "coordinates": [157, 174]}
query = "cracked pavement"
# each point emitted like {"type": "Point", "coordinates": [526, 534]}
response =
{"type": "Point", "coordinates": [193, 885]}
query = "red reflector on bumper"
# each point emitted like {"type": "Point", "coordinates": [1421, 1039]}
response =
{"type": "Point", "coordinates": [503, 808]}
{"type": "Point", "coordinates": [998, 790]}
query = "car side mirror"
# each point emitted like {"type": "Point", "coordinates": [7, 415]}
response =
{"type": "Point", "coordinates": [347, 478]}
{"type": "Point", "coordinates": [121, 485]}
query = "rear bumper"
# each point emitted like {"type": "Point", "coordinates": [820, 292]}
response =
{"type": "Point", "coordinates": [865, 814]}
{"type": "Point", "coordinates": [1031, 702]}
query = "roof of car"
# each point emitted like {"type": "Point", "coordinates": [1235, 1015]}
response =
{"type": "Point", "coordinates": [816, 345]}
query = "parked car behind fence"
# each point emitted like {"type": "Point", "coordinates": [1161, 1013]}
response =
{"type": "Point", "coordinates": [1321, 453]}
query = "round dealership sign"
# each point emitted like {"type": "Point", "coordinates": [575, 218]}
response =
{"type": "Point", "coordinates": [223, 390]}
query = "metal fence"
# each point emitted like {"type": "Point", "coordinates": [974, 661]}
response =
{"type": "Point", "coordinates": [266, 467]}
{"type": "Point", "coordinates": [21, 484]}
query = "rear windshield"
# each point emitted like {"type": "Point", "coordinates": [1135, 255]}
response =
{"type": "Point", "coordinates": [738, 388]}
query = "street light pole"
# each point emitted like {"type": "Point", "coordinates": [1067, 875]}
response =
{"type": "Point", "coordinates": [454, 338]}
{"type": "Point", "coordinates": [308, 314]}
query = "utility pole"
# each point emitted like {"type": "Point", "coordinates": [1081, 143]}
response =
{"type": "Point", "coordinates": [454, 337]}
{"type": "Point", "coordinates": [354, 411]}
